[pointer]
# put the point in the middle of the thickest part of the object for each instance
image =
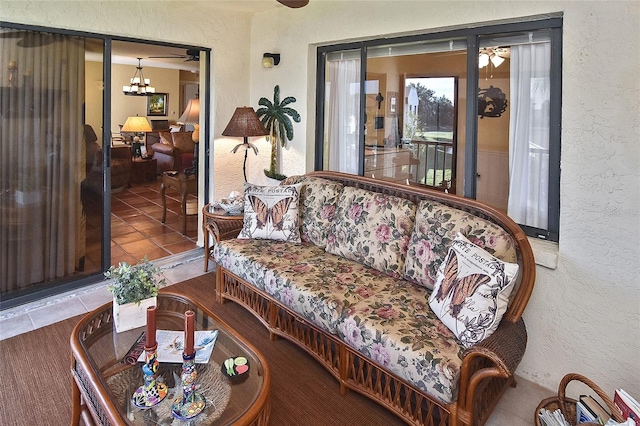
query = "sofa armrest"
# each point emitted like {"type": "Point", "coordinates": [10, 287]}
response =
{"type": "Point", "coordinates": [497, 356]}
{"type": "Point", "coordinates": [165, 149]}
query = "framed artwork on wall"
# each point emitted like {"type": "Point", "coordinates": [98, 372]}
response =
{"type": "Point", "coordinates": [157, 104]}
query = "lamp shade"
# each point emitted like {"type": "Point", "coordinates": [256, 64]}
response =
{"type": "Point", "coordinates": [245, 122]}
{"type": "Point", "coordinates": [136, 124]}
{"type": "Point", "coordinates": [191, 114]}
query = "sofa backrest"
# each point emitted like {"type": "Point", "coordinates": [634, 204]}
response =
{"type": "Point", "coordinates": [511, 243]}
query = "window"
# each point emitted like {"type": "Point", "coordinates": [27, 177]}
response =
{"type": "Point", "coordinates": [474, 112]}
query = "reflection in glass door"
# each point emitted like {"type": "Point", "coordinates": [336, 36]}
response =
{"type": "Point", "coordinates": [46, 153]}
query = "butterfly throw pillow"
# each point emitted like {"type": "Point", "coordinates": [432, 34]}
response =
{"type": "Point", "coordinates": [271, 213]}
{"type": "Point", "coordinates": [472, 291]}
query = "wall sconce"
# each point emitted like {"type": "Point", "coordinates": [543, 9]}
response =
{"type": "Point", "coordinates": [269, 60]}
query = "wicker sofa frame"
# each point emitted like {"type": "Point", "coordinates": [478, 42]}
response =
{"type": "Point", "coordinates": [488, 367]}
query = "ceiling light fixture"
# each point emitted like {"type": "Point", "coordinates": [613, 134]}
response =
{"type": "Point", "coordinates": [139, 86]}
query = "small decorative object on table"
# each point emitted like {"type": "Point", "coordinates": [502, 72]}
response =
{"type": "Point", "coordinates": [134, 289]}
{"type": "Point", "coordinates": [152, 392]}
{"type": "Point", "coordinates": [190, 404]}
{"type": "Point", "coordinates": [567, 406]}
{"type": "Point", "coordinates": [235, 368]}
{"type": "Point", "coordinates": [233, 205]}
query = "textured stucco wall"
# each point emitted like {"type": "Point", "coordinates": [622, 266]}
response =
{"type": "Point", "coordinates": [583, 316]}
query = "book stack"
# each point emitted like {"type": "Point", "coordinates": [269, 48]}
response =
{"type": "Point", "coordinates": [627, 405]}
{"type": "Point", "coordinates": [555, 418]}
{"type": "Point", "coordinates": [590, 410]}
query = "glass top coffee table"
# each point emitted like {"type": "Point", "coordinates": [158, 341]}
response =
{"type": "Point", "coordinates": [105, 375]}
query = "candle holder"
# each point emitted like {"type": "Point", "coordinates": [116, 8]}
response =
{"type": "Point", "coordinates": [190, 404]}
{"type": "Point", "coordinates": [152, 392]}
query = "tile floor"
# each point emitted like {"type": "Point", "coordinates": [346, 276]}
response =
{"type": "Point", "coordinates": [136, 225]}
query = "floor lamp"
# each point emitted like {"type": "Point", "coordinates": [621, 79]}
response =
{"type": "Point", "coordinates": [191, 115]}
{"type": "Point", "coordinates": [245, 123]}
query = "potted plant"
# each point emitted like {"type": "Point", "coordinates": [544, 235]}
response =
{"type": "Point", "coordinates": [134, 288]}
{"type": "Point", "coordinates": [276, 117]}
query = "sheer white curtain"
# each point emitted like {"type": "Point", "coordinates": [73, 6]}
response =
{"type": "Point", "coordinates": [42, 223]}
{"type": "Point", "coordinates": [343, 115]}
{"type": "Point", "coordinates": [529, 134]}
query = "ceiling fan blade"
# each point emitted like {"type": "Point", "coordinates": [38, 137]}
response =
{"type": "Point", "coordinates": [295, 4]}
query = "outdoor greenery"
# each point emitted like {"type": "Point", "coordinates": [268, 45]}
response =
{"type": "Point", "coordinates": [133, 283]}
{"type": "Point", "coordinates": [276, 117]}
{"type": "Point", "coordinates": [434, 114]}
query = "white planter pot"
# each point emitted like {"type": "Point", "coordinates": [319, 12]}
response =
{"type": "Point", "coordinates": [131, 315]}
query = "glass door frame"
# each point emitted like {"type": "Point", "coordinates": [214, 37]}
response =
{"type": "Point", "coordinates": [40, 290]}
{"type": "Point", "coordinates": [472, 35]}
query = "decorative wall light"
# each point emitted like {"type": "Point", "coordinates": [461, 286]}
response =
{"type": "Point", "coordinates": [269, 60]}
{"type": "Point", "coordinates": [139, 86]}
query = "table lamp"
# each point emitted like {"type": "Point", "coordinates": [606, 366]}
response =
{"type": "Point", "coordinates": [245, 123]}
{"type": "Point", "coordinates": [136, 125]}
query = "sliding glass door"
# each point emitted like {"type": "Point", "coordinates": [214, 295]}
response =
{"type": "Point", "coordinates": [472, 111]}
{"type": "Point", "coordinates": [46, 153]}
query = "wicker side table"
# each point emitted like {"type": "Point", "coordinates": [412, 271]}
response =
{"type": "Point", "coordinates": [568, 405]}
{"type": "Point", "coordinates": [220, 225]}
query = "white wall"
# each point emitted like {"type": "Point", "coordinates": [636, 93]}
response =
{"type": "Point", "coordinates": [584, 316]}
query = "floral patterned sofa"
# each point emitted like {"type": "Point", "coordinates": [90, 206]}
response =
{"type": "Point", "coordinates": [353, 273]}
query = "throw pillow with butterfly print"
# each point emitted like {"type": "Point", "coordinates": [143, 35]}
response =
{"type": "Point", "coordinates": [472, 291]}
{"type": "Point", "coordinates": [271, 212]}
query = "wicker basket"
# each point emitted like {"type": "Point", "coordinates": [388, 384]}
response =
{"type": "Point", "coordinates": [568, 405]}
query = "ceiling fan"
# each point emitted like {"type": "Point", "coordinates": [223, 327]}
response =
{"type": "Point", "coordinates": [496, 55]}
{"type": "Point", "coordinates": [191, 55]}
{"type": "Point", "coordinates": [294, 4]}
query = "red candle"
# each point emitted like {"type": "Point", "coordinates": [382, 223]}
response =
{"type": "Point", "coordinates": [189, 330]}
{"type": "Point", "coordinates": [151, 327]}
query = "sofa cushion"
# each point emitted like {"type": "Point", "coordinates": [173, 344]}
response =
{"type": "Point", "coordinates": [251, 259]}
{"type": "Point", "coordinates": [372, 228]}
{"type": "Point", "coordinates": [472, 291]}
{"type": "Point", "coordinates": [436, 228]}
{"type": "Point", "coordinates": [271, 212]}
{"type": "Point", "coordinates": [318, 200]}
{"type": "Point", "coordinates": [323, 288]}
{"type": "Point", "coordinates": [183, 141]}
{"type": "Point", "coordinates": [396, 329]}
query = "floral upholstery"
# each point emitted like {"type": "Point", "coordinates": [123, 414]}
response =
{"type": "Point", "coordinates": [324, 288]}
{"type": "Point", "coordinates": [396, 329]}
{"type": "Point", "coordinates": [251, 259]}
{"type": "Point", "coordinates": [386, 319]}
{"type": "Point", "coordinates": [318, 201]}
{"type": "Point", "coordinates": [372, 229]}
{"type": "Point", "coordinates": [436, 226]}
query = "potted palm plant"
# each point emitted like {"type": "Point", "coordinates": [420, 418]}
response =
{"type": "Point", "coordinates": [276, 117]}
{"type": "Point", "coordinates": [134, 288]}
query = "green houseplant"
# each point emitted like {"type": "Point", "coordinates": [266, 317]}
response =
{"type": "Point", "coordinates": [276, 117]}
{"type": "Point", "coordinates": [134, 288]}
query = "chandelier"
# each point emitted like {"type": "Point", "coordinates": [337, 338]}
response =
{"type": "Point", "coordinates": [139, 86]}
